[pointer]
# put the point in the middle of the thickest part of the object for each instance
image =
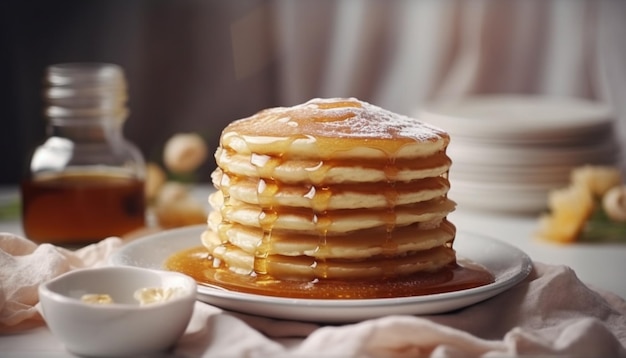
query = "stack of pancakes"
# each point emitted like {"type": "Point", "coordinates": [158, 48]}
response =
{"type": "Point", "coordinates": [335, 189]}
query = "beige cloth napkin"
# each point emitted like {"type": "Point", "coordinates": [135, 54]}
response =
{"type": "Point", "coordinates": [549, 313]}
{"type": "Point", "coordinates": [24, 265]}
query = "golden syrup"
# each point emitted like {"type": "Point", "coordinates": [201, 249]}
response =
{"type": "Point", "coordinates": [197, 263]}
{"type": "Point", "coordinates": [77, 208]}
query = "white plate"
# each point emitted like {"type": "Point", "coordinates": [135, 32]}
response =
{"type": "Point", "coordinates": [508, 264]}
{"type": "Point", "coordinates": [521, 118]}
{"type": "Point", "coordinates": [532, 156]}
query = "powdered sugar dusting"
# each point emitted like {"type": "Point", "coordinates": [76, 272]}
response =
{"type": "Point", "coordinates": [341, 118]}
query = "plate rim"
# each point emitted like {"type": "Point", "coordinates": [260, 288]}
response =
{"type": "Point", "coordinates": [515, 274]}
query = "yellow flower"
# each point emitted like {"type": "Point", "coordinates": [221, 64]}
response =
{"type": "Point", "coordinates": [184, 152]}
{"type": "Point", "coordinates": [175, 207]}
{"type": "Point", "coordinates": [614, 203]}
{"type": "Point", "coordinates": [570, 208]}
{"type": "Point", "coordinates": [597, 179]}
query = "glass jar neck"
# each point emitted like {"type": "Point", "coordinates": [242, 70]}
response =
{"type": "Point", "coordinates": [86, 130]}
{"type": "Point", "coordinates": [85, 102]}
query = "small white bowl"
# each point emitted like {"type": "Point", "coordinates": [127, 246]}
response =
{"type": "Point", "coordinates": [121, 328]}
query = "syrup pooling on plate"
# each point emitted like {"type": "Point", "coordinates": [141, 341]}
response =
{"type": "Point", "coordinates": [330, 193]}
{"type": "Point", "coordinates": [196, 262]}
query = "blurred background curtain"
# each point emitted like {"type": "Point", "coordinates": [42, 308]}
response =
{"type": "Point", "coordinates": [196, 65]}
{"type": "Point", "coordinates": [399, 54]}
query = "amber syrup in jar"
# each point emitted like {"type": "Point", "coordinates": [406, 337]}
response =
{"type": "Point", "coordinates": [85, 182]}
{"type": "Point", "coordinates": [82, 207]}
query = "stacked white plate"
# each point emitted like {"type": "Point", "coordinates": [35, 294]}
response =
{"type": "Point", "coordinates": [509, 151]}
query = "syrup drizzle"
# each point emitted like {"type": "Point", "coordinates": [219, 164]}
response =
{"type": "Point", "coordinates": [274, 144]}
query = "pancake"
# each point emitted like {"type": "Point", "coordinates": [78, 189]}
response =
{"type": "Point", "coordinates": [331, 189]}
{"type": "Point", "coordinates": [340, 196]}
{"type": "Point", "coordinates": [320, 171]}
{"type": "Point", "coordinates": [371, 242]}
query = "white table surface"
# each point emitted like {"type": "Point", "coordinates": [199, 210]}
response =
{"type": "Point", "coordinates": [601, 266]}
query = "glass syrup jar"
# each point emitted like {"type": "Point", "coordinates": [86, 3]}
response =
{"type": "Point", "coordinates": [85, 182]}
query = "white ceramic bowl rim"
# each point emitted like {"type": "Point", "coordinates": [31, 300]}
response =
{"type": "Point", "coordinates": [188, 285]}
